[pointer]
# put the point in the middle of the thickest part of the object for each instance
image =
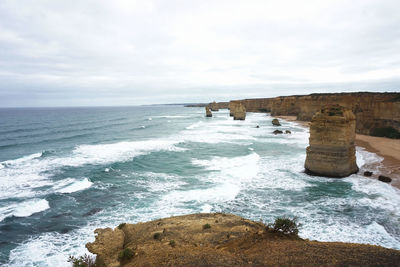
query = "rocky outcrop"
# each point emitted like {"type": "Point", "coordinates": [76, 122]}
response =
{"type": "Point", "coordinates": [216, 239]}
{"type": "Point", "coordinates": [276, 122]}
{"type": "Point", "coordinates": [208, 112]}
{"type": "Point", "coordinates": [108, 244]}
{"type": "Point", "coordinates": [213, 106]}
{"type": "Point", "coordinates": [332, 151]}
{"type": "Point", "coordinates": [239, 112]}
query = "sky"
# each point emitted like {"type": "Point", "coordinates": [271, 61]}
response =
{"type": "Point", "coordinates": [128, 52]}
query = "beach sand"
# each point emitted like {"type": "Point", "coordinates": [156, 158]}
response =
{"type": "Point", "coordinates": [388, 149]}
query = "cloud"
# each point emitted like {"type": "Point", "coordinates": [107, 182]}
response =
{"type": "Point", "coordinates": [140, 52]}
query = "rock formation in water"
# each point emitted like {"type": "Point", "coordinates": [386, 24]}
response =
{"type": "Point", "coordinates": [276, 122]}
{"type": "Point", "coordinates": [208, 112]}
{"type": "Point", "coordinates": [214, 106]}
{"type": "Point", "coordinates": [216, 239]}
{"type": "Point", "coordinates": [332, 151]}
{"type": "Point", "coordinates": [374, 111]}
{"type": "Point", "coordinates": [239, 112]}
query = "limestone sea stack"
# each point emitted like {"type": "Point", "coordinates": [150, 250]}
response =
{"type": "Point", "coordinates": [239, 112]}
{"type": "Point", "coordinates": [232, 106]}
{"type": "Point", "coordinates": [331, 151]}
{"type": "Point", "coordinates": [208, 112]}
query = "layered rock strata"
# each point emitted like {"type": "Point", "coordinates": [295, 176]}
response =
{"type": "Point", "coordinates": [372, 110]}
{"type": "Point", "coordinates": [331, 151]}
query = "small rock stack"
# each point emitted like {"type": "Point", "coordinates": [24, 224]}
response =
{"type": "Point", "coordinates": [208, 112]}
{"type": "Point", "coordinates": [332, 151]}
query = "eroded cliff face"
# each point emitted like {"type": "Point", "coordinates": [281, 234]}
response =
{"type": "Point", "coordinates": [372, 110]}
{"type": "Point", "coordinates": [332, 151]}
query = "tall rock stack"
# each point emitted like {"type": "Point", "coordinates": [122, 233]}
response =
{"type": "Point", "coordinates": [232, 106]}
{"type": "Point", "coordinates": [331, 151]}
{"type": "Point", "coordinates": [239, 112]}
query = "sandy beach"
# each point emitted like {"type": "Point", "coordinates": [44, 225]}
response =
{"type": "Point", "coordinates": [388, 149]}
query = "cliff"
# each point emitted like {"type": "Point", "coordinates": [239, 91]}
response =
{"type": "Point", "coordinates": [224, 240]}
{"type": "Point", "coordinates": [373, 111]}
{"type": "Point", "coordinates": [332, 151]}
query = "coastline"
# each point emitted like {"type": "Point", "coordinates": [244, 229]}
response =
{"type": "Point", "coordinates": [388, 149]}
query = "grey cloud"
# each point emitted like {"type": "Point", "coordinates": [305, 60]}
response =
{"type": "Point", "coordinates": [140, 52]}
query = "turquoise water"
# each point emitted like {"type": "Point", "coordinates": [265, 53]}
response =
{"type": "Point", "coordinates": [67, 171]}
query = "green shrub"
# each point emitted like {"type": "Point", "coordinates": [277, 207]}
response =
{"type": "Point", "coordinates": [286, 226]}
{"type": "Point", "coordinates": [121, 225]}
{"type": "Point", "coordinates": [82, 261]}
{"type": "Point", "coordinates": [172, 243]}
{"type": "Point", "coordinates": [206, 226]}
{"type": "Point", "coordinates": [389, 132]}
{"type": "Point", "coordinates": [157, 236]}
{"type": "Point", "coordinates": [125, 254]}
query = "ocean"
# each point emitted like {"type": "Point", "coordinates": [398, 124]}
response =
{"type": "Point", "coordinates": [67, 171]}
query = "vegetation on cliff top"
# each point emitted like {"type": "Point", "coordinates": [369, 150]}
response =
{"type": "Point", "coordinates": [389, 132]}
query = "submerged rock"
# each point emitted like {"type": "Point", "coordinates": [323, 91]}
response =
{"type": "Point", "coordinates": [384, 179]}
{"type": "Point", "coordinates": [331, 151]}
{"type": "Point", "coordinates": [277, 132]}
{"type": "Point", "coordinates": [276, 122]}
{"type": "Point", "coordinates": [208, 112]}
{"type": "Point", "coordinates": [288, 132]}
{"type": "Point", "coordinates": [368, 173]}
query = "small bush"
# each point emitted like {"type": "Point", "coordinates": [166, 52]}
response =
{"type": "Point", "coordinates": [125, 254]}
{"type": "Point", "coordinates": [206, 226]}
{"type": "Point", "coordinates": [157, 236]}
{"type": "Point", "coordinates": [172, 243]}
{"type": "Point", "coordinates": [286, 226]}
{"type": "Point", "coordinates": [389, 132]}
{"type": "Point", "coordinates": [82, 261]}
{"type": "Point", "coordinates": [121, 225]}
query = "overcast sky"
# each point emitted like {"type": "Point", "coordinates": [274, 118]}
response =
{"type": "Point", "coordinates": [125, 52]}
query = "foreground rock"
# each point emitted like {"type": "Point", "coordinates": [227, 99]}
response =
{"type": "Point", "coordinates": [384, 179]}
{"type": "Point", "coordinates": [208, 112]}
{"type": "Point", "coordinates": [228, 240]}
{"type": "Point", "coordinates": [332, 151]}
{"type": "Point", "coordinates": [276, 122]}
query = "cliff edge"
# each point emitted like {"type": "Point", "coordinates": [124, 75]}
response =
{"type": "Point", "coordinates": [216, 239]}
